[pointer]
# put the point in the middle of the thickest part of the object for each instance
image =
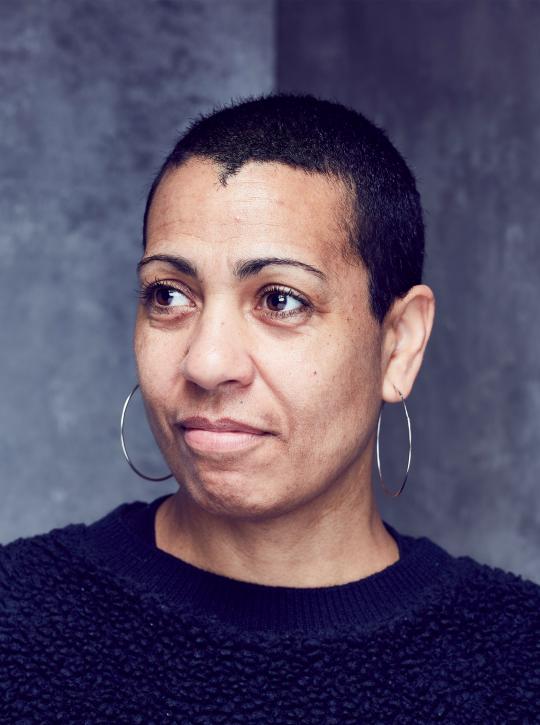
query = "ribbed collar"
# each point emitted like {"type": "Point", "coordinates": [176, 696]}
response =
{"type": "Point", "coordinates": [124, 542]}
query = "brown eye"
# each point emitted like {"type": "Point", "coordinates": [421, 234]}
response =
{"type": "Point", "coordinates": [277, 300]}
{"type": "Point", "coordinates": [169, 297]}
{"type": "Point", "coordinates": [283, 301]}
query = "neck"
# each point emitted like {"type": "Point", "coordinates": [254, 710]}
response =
{"type": "Point", "coordinates": [335, 539]}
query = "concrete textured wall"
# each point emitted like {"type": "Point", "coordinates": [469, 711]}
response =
{"type": "Point", "coordinates": [93, 95]}
{"type": "Point", "coordinates": [455, 84]}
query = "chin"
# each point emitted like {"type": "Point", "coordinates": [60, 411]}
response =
{"type": "Point", "coordinates": [236, 496]}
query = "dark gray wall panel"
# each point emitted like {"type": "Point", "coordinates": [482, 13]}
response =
{"type": "Point", "coordinates": [455, 83]}
{"type": "Point", "coordinates": [93, 95]}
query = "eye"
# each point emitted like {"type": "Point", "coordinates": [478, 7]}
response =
{"type": "Point", "coordinates": [279, 302]}
{"type": "Point", "coordinates": [161, 297]}
{"type": "Point", "coordinates": [168, 296]}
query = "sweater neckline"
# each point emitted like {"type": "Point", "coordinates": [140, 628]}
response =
{"type": "Point", "coordinates": [124, 542]}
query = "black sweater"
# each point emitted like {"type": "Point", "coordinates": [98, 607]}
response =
{"type": "Point", "coordinates": [97, 625]}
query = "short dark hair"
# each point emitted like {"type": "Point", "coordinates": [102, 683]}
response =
{"type": "Point", "coordinates": [386, 229]}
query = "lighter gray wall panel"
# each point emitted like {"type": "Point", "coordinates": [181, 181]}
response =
{"type": "Point", "coordinates": [455, 83]}
{"type": "Point", "coordinates": [93, 95]}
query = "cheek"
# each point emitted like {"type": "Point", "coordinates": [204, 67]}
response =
{"type": "Point", "coordinates": [337, 401]}
{"type": "Point", "coordinates": [155, 366]}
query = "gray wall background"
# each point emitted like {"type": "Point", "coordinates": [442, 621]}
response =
{"type": "Point", "coordinates": [455, 83]}
{"type": "Point", "coordinates": [93, 95]}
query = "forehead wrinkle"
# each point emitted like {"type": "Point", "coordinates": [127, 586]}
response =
{"type": "Point", "coordinates": [338, 239]}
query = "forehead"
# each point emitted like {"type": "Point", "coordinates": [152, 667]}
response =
{"type": "Point", "coordinates": [264, 208]}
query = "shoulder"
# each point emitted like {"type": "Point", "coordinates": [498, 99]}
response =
{"type": "Point", "coordinates": [472, 640]}
{"type": "Point", "coordinates": [39, 581]}
{"type": "Point", "coordinates": [468, 602]}
{"type": "Point", "coordinates": [60, 557]}
{"type": "Point", "coordinates": [490, 607]}
{"type": "Point", "coordinates": [55, 603]}
{"type": "Point", "coordinates": [473, 592]}
{"type": "Point", "coordinates": [49, 558]}
{"type": "Point", "coordinates": [38, 549]}
{"type": "Point", "coordinates": [50, 576]}
{"type": "Point", "coordinates": [501, 596]}
{"type": "Point", "coordinates": [490, 625]}
{"type": "Point", "coordinates": [52, 592]}
{"type": "Point", "coordinates": [36, 563]}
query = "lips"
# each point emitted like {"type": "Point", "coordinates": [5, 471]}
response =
{"type": "Point", "coordinates": [222, 425]}
{"type": "Point", "coordinates": [221, 437]}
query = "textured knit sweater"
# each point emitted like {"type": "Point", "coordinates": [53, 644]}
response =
{"type": "Point", "coordinates": [98, 625]}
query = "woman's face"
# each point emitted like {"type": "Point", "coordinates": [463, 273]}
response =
{"type": "Point", "coordinates": [293, 352]}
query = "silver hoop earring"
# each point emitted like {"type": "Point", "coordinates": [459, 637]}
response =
{"type": "Point", "coordinates": [122, 442]}
{"type": "Point", "coordinates": [385, 489]}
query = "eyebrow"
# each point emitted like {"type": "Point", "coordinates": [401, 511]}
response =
{"type": "Point", "coordinates": [242, 269]}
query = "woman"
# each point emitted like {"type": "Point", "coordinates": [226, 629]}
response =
{"type": "Point", "coordinates": [281, 305]}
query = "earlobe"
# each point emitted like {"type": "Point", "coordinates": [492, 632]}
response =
{"type": "Point", "coordinates": [409, 325]}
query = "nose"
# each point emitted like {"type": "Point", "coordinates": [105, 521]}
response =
{"type": "Point", "coordinates": [218, 348]}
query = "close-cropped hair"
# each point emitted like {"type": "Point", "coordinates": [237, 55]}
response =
{"type": "Point", "coordinates": [382, 209]}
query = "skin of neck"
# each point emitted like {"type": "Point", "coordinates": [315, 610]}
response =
{"type": "Point", "coordinates": [336, 538]}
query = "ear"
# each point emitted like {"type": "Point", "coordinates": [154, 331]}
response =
{"type": "Point", "coordinates": [406, 330]}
